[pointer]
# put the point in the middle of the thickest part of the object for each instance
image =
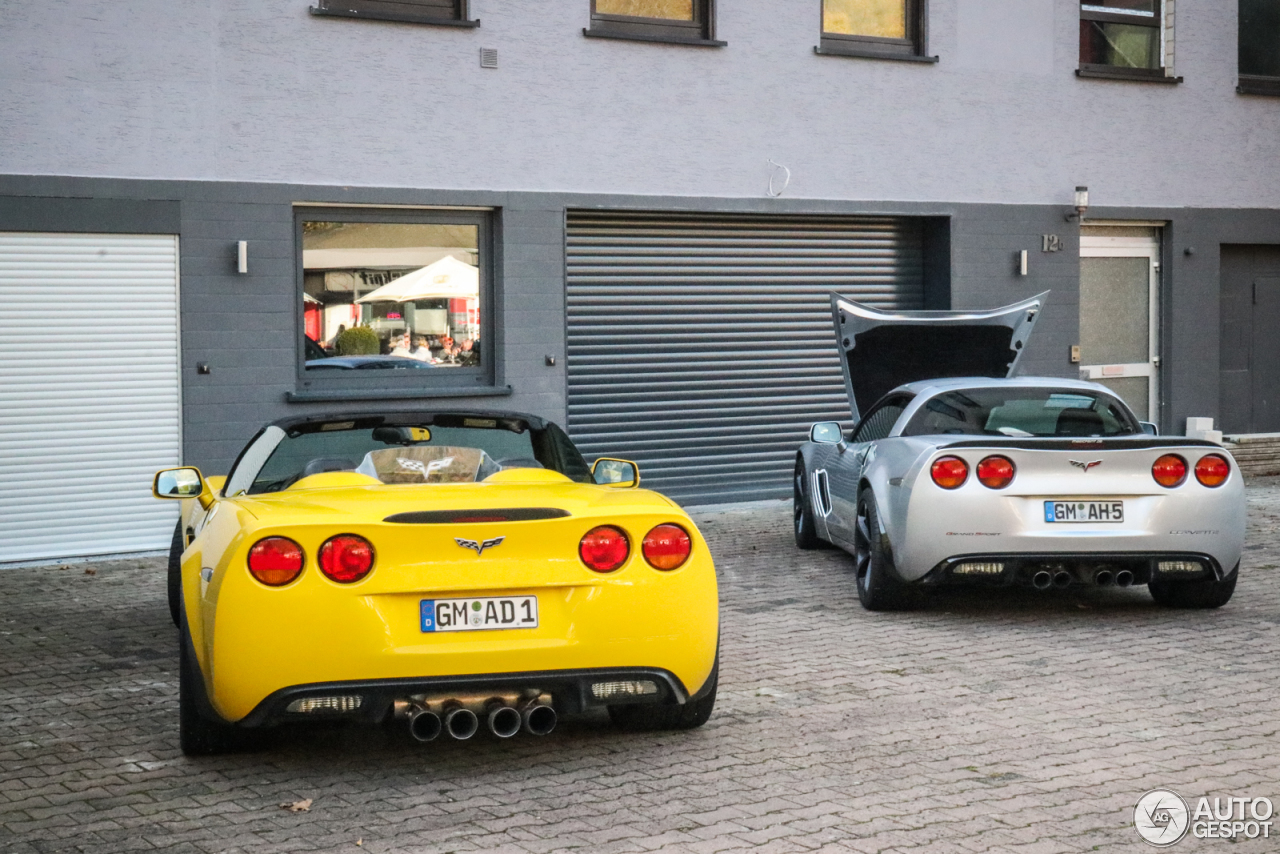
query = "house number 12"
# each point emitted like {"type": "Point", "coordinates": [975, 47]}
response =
{"type": "Point", "coordinates": [1050, 243]}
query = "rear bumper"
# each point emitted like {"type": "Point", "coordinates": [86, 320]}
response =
{"type": "Point", "coordinates": [570, 691]}
{"type": "Point", "coordinates": [1082, 567]}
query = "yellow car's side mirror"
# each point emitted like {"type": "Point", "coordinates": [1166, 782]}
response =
{"type": "Point", "coordinates": [619, 474]}
{"type": "Point", "coordinates": [180, 483]}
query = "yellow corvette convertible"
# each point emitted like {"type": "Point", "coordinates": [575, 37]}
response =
{"type": "Point", "coordinates": [452, 570]}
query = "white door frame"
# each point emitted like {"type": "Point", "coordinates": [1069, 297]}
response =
{"type": "Point", "coordinates": [1133, 247]}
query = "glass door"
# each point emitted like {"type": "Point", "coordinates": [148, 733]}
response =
{"type": "Point", "coordinates": [1119, 313]}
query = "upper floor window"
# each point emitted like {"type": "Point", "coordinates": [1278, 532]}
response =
{"type": "Point", "coordinates": [1259, 47]}
{"type": "Point", "coordinates": [891, 29]}
{"type": "Point", "coordinates": [449, 12]}
{"type": "Point", "coordinates": [1124, 39]}
{"type": "Point", "coordinates": [679, 21]}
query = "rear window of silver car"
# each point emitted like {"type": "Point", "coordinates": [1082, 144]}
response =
{"type": "Point", "coordinates": [1023, 413]}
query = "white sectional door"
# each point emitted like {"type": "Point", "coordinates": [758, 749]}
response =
{"type": "Point", "coordinates": [90, 401]}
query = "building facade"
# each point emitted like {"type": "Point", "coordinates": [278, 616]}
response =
{"type": "Point", "coordinates": [624, 215]}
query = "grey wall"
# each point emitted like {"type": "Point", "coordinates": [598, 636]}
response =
{"type": "Point", "coordinates": [244, 90]}
{"type": "Point", "coordinates": [245, 327]}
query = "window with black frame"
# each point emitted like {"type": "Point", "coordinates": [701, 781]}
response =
{"type": "Point", "coordinates": [389, 299]}
{"type": "Point", "coordinates": [1259, 47]}
{"type": "Point", "coordinates": [678, 21]}
{"type": "Point", "coordinates": [1122, 39]}
{"type": "Point", "coordinates": [447, 12]}
{"type": "Point", "coordinates": [886, 29]}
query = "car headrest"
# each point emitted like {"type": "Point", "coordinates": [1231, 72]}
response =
{"type": "Point", "coordinates": [1078, 422]}
{"type": "Point", "coordinates": [323, 464]}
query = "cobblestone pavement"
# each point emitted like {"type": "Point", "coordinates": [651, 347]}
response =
{"type": "Point", "coordinates": [1014, 721]}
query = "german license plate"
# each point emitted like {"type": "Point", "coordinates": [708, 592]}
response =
{"type": "Point", "coordinates": [1084, 511]}
{"type": "Point", "coordinates": [477, 615]}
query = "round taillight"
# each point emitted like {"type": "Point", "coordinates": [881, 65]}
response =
{"type": "Point", "coordinates": [1170, 470]}
{"type": "Point", "coordinates": [1212, 470]}
{"type": "Point", "coordinates": [346, 558]}
{"type": "Point", "coordinates": [949, 472]}
{"type": "Point", "coordinates": [666, 547]}
{"type": "Point", "coordinates": [604, 549]}
{"type": "Point", "coordinates": [275, 561]}
{"type": "Point", "coordinates": [996, 472]}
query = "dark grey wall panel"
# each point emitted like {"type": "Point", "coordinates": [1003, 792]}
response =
{"type": "Point", "coordinates": [701, 345]}
{"type": "Point", "coordinates": [100, 215]}
{"type": "Point", "coordinates": [969, 252]}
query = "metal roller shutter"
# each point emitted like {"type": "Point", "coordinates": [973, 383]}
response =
{"type": "Point", "coordinates": [89, 394]}
{"type": "Point", "coordinates": [701, 347]}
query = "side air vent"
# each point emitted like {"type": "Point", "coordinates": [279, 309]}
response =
{"type": "Point", "coordinates": [444, 517]}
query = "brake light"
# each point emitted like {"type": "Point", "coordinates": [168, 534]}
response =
{"type": "Point", "coordinates": [1170, 470]}
{"type": "Point", "coordinates": [346, 558]}
{"type": "Point", "coordinates": [666, 547]}
{"type": "Point", "coordinates": [996, 472]}
{"type": "Point", "coordinates": [604, 549]}
{"type": "Point", "coordinates": [949, 472]}
{"type": "Point", "coordinates": [276, 561]}
{"type": "Point", "coordinates": [1212, 470]}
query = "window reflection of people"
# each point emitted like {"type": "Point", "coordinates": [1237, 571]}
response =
{"type": "Point", "coordinates": [469, 354]}
{"type": "Point", "coordinates": [333, 342]}
{"type": "Point", "coordinates": [422, 350]}
{"type": "Point", "coordinates": [400, 344]}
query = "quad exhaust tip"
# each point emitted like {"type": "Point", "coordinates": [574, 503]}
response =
{"type": "Point", "coordinates": [460, 717]}
{"type": "Point", "coordinates": [539, 720]}
{"type": "Point", "coordinates": [424, 725]}
{"type": "Point", "coordinates": [1062, 579]}
{"type": "Point", "coordinates": [1103, 578]}
{"type": "Point", "coordinates": [1042, 580]}
{"type": "Point", "coordinates": [461, 723]}
{"type": "Point", "coordinates": [1124, 578]}
{"type": "Point", "coordinates": [504, 721]}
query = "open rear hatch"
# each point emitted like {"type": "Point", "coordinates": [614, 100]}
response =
{"type": "Point", "coordinates": [883, 349]}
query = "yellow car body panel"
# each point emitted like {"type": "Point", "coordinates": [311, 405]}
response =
{"type": "Point", "coordinates": [252, 640]}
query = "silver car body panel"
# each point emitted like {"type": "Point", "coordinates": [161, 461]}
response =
{"type": "Point", "coordinates": [883, 350]}
{"type": "Point", "coordinates": [928, 526]}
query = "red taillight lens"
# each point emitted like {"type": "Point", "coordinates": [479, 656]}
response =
{"type": "Point", "coordinates": [346, 558]}
{"type": "Point", "coordinates": [1212, 470]}
{"type": "Point", "coordinates": [949, 472]}
{"type": "Point", "coordinates": [275, 561]}
{"type": "Point", "coordinates": [1170, 470]}
{"type": "Point", "coordinates": [666, 547]}
{"type": "Point", "coordinates": [996, 472]}
{"type": "Point", "coordinates": [604, 549]}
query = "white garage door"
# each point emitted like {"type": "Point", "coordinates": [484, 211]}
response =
{"type": "Point", "coordinates": [89, 393]}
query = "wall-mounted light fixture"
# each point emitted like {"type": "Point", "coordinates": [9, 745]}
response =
{"type": "Point", "coordinates": [1082, 204]}
{"type": "Point", "coordinates": [242, 256]}
{"type": "Point", "coordinates": [1020, 262]}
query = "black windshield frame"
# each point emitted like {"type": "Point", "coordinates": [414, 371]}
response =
{"type": "Point", "coordinates": [550, 445]}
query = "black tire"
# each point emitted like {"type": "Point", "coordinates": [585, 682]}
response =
{"type": "Point", "coordinates": [691, 715]}
{"type": "Point", "coordinates": [198, 735]}
{"type": "Point", "coordinates": [878, 589]}
{"type": "Point", "coordinates": [176, 548]}
{"type": "Point", "coordinates": [806, 532]}
{"type": "Point", "coordinates": [1201, 593]}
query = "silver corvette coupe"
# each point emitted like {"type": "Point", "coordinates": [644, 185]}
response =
{"type": "Point", "coordinates": [958, 474]}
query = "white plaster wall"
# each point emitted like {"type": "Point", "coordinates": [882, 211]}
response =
{"type": "Point", "coordinates": [259, 90]}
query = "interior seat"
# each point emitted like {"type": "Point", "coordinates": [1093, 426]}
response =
{"type": "Point", "coordinates": [1078, 422]}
